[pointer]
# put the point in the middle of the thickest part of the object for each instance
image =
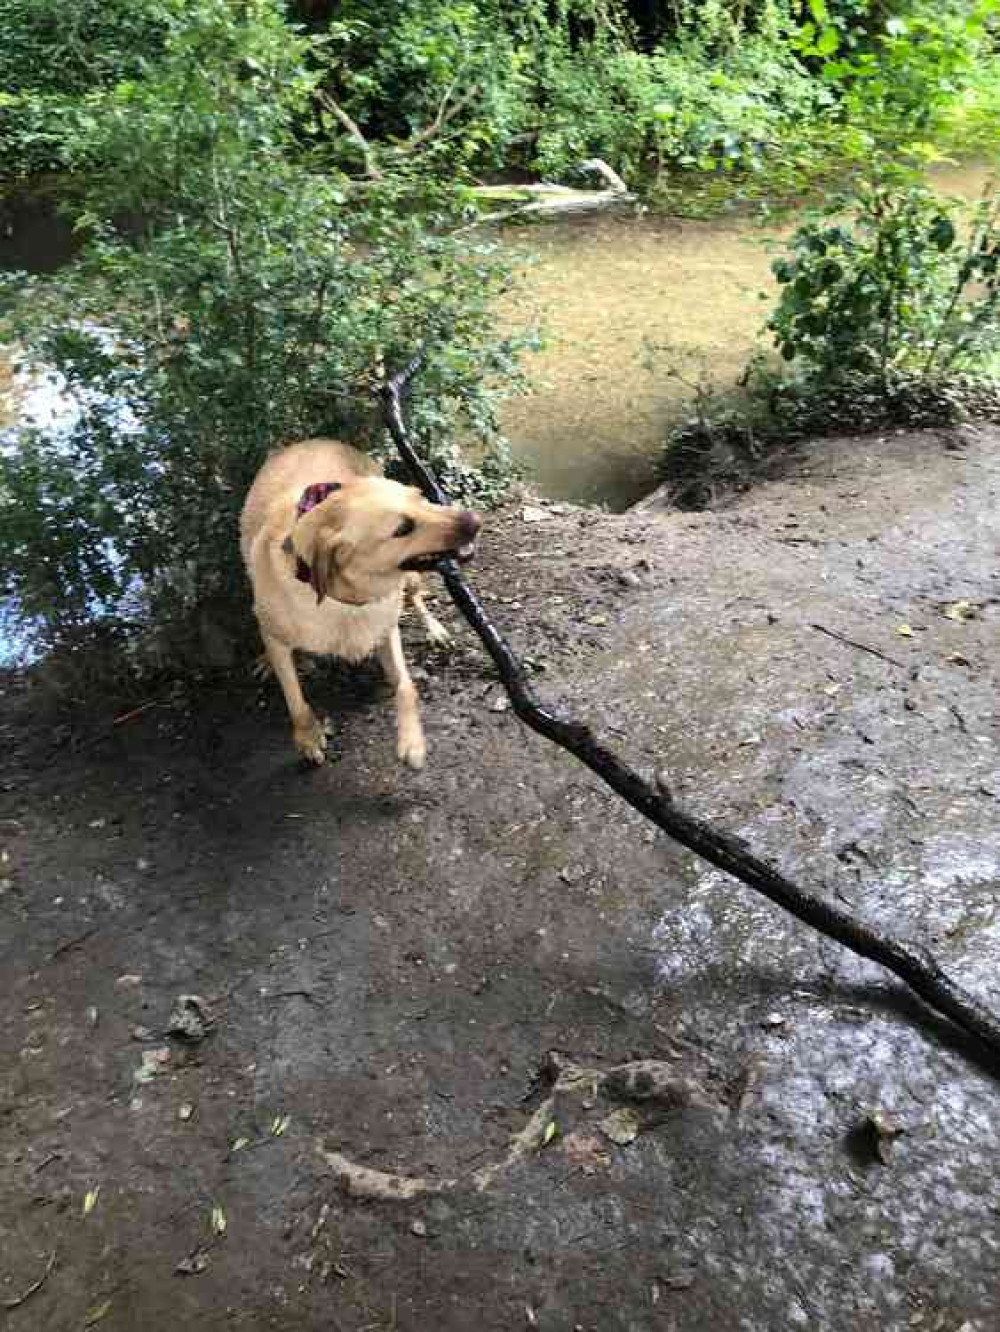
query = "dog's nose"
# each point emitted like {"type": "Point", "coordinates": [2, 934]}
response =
{"type": "Point", "coordinates": [469, 524]}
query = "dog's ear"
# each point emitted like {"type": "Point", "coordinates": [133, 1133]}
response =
{"type": "Point", "coordinates": [323, 564]}
{"type": "Point", "coordinates": [316, 538]}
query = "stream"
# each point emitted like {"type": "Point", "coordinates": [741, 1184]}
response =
{"type": "Point", "coordinates": [603, 291]}
{"type": "Point", "coordinates": [595, 419]}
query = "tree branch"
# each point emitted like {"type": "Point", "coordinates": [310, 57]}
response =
{"type": "Point", "coordinates": [911, 962]}
{"type": "Point", "coordinates": [355, 133]}
{"type": "Point", "coordinates": [445, 113]}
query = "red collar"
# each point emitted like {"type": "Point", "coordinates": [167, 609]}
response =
{"type": "Point", "coordinates": [310, 497]}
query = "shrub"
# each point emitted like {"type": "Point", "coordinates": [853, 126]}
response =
{"type": "Point", "coordinates": [888, 314]}
{"type": "Point", "coordinates": [252, 305]}
{"type": "Point", "coordinates": [51, 56]}
{"type": "Point", "coordinates": [886, 281]}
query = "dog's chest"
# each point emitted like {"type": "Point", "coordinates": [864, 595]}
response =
{"type": "Point", "coordinates": [338, 630]}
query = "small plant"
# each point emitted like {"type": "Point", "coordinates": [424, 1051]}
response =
{"type": "Point", "coordinates": [886, 282]}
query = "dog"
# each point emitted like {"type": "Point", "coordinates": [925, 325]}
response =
{"type": "Point", "coordinates": [332, 546]}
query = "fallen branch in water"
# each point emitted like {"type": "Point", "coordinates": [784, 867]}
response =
{"type": "Point", "coordinates": [911, 962]}
{"type": "Point", "coordinates": [551, 201]}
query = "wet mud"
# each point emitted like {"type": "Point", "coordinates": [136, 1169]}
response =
{"type": "Point", "coordinates": [388, 959]}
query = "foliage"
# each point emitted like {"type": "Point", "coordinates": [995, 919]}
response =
{"type": "Point", "coordinates": [888, 315]}
{"type": "Point", "coordinates": [892, 286]}
{"type": "Point", "coordinates": [51, 55]}
{"type": "Point", "coordinates": [903, 79]}
{"type": "Point", "coordinates": [779, 90]}
{"type": "Point", "coordinates": [443, 76]}
{"type": "Point", "coordinates": [252, 307]}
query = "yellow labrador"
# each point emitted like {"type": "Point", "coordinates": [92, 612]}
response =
{"type": "Point", "coordinates": [331, 545]}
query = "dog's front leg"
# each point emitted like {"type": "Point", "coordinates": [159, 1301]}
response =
{"type": "Point", "coordinates": [435, 630]}
{"type": "Point", "coordinates": [308, 732]}
{"type": "Point", "coordinates": [411, 748]}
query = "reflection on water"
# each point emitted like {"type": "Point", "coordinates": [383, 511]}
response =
{"type": "Point", "coordinates": [33, 398]}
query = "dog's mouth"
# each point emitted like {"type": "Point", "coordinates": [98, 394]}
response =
{"type": "Point", "coordinates": [426, 563]}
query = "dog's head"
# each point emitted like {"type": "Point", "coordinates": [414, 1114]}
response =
{"type": "Point", "coordinates": [362, 540]}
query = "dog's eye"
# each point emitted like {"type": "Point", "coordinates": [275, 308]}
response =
{"type": "Point", "coordinates": [406, 526]}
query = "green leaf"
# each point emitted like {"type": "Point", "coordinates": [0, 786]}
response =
{"type": "Point", "coordinates": [828, 42]}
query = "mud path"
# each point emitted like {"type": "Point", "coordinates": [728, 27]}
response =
{"type": "Point", "coordinates": [389, 958]}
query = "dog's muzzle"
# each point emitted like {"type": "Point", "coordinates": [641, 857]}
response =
{"type": "Point", "coordinates": [467, 525]}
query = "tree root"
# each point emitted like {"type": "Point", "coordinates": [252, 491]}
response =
{"type": "Point", "coordinates": [574, 1090]}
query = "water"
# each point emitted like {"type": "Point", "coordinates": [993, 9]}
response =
{"type": "Point", "coordinates": [596, 417]}
{"type": "Point", "coordinates": [607, 291]}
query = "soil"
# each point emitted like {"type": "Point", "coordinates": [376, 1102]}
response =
{"type": "Point", "coordinates": [383, 961]}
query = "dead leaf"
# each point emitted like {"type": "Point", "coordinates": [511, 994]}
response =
{"type": "Point", "coordinates": [961, 610]}
{"type": "Point", "coordinates": [904, 630]}
{"type": "Point", "coordinates": [585, 1151]}
{"type": "Point", "coordinates": [551, 1131]}
{"type": "Point", "coordinates": [238, 1145]}
{"type": "Point", "coordinates": [193, 1264]}
{"type": "Point", "coordinates": [621, 1126]}
{"type": "Point", "coordinates": [153, 1063]}
{"type": "Point", "coordinates": [96, 1312]}
{"type": "Point", "coordinates": [190, 1019]}
{"type": "Point", "coordinates": [532, 514]}
{"type": "Point", "coordinates": [219, 1222]}
{"type": "Point", "coordinates": [885, 1129]}
{"type": "Point", "coordinates": [679, 1280]}
{"type": "Point", "coordinates": [185, 1112]}
{"type": "Point", "coordinates": [279, 1124]}
{"type": "Point", "coordinates": [597, 620]}
{"type": "Point", "coordinates": [90, 1200]}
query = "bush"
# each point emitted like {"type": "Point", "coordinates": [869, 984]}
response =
{"type": "Point", "coordinates": [888, 315]}
{"type": "Point", "coordinates": [885, 282]}
{"type": "Point", "coordinates": [253, 306]}
{"type": "Point", "coordinates": [51, 56]}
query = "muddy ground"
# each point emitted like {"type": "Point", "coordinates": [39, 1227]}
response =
{"type": "Point", "coordinates": [389, 958]}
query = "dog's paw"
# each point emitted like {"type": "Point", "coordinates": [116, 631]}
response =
{"type": "Point", "coordinates": [310, 738]}
{"type": "Point", "coordinates": [437, 634]}
{"type": "Point", "coordinates": [412, 749]}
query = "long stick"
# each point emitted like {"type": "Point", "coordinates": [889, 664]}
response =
{"type": "Point", "coordinates": [911, 962]}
